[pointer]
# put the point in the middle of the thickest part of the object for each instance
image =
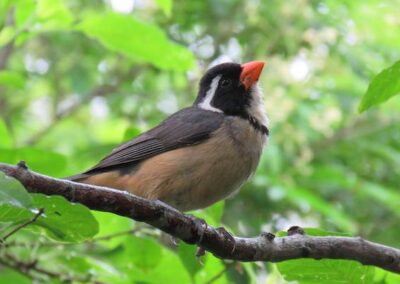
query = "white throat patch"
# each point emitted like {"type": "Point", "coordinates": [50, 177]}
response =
{"type": "Point", "coordinates": [206, 103]}
{"type": "Point", "coordinates": [257, 108]}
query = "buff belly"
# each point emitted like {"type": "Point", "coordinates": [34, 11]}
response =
{"type": "Point", "coordinates": [196, 176]}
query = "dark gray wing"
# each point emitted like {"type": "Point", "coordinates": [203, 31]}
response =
{"type": "Point", "coordinates": [187, 127]}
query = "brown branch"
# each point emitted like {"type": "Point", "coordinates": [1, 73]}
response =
{"type": "Point", "coordinates": [262, 248]}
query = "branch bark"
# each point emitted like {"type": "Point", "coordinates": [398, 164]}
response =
{"type": "Point", "coordinates": [158, 214]}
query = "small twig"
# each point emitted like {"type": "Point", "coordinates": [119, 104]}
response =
{"type": "Point", "coordinates": [118, 234]}
{"type": "Point", "coordinates": [19, 227]}
{"type": "Point", "coordinates": [49, 244]}
{"type": "Point", "coordinates": [27, 267]}
{"type": "Point", "coordinates": [15, 267]}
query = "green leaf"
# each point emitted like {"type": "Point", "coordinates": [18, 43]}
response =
{"type": "Point", "coordinates": [212, 215]}
{"type": "Point", "coordinates": [319, 232]}
{"type": "Point", "coordinates": [382, 87]}
{"type": "Point", "coordinates": [8, 276]}
{"type": "Point", "coordinates": [212, 267]}
{"type": "Point", "coordinates": [131, 132]}
{"type": "Point", "coordinates": [53, 15]}
{"type": "Point", "coordinates": [186, 253]}
{"type": "Point", "coordinates": [5, 5]}
{"type": "Point", "coordinates": [165, 268]}
{"type": "Point", "coordinates": [74, 264]}
{"type": "Point", "coordinates": [169, 269]}
{"type": "Point", "coordinates": [43, 161]}
{"type": "Point", "coordinates": [299, 195]}
{"type": "Point", "coordinates": [65, 221]}
{"type": "Point", "coordinates": [6, 35]}
{"type": "Point", "coordinates": [143, 252]}
{"type": "Point", "coordinates": [6, 140]}
{"type": "Point", "coordinates": [13, 193]}
{"type": "Point", "coordinates": [307, 271]}
{"type": "Point", "coordinates": [310, 271]}
{"type": "Point", "coordinates": [112, 224]}
{"type": "Point", "coordinates": [385, 277]}
{"type": "Point", "coordinates": [12, 79]}
{"type": "Point", "coordinates": [16, 205]}
{"type": "Point", "coordinates": [23, 11]}
{"type": "Point", "coordinates": [389, 197]}
{"type": "Point", "coordinates": [215, 212]}
{"type": "Point", "coordinates": [315, 232]}
{"type": "Point", "coordinates": [15, 215]}
{"type": "Point", "coordinates": [137, 40]}
{"type": "Point", "coordinates": [166, 6]}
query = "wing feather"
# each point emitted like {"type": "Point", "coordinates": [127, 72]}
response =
{"type": "Point", "coordinates": [187, 127]}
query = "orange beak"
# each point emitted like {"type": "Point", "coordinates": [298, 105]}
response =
{"type": "Point", "coordinates": [250, 73]}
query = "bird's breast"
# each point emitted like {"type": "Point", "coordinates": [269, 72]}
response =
{"type": "Point", "coordinates": [197, 176]}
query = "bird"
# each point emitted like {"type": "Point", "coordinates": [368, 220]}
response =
{"type": "Point", "coordinates": [199, 155]}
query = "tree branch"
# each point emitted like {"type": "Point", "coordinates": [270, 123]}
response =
{"type": "Point", "coordinates": [158, 214]}
{"type": "Point", "coordinates": [98, 91]}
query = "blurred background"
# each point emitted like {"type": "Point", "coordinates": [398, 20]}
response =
{"type": "Point", "coordinates": [77, 78]}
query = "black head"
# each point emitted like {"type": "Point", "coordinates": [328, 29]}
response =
{"type": "Point", "coordinates": [228, 87]}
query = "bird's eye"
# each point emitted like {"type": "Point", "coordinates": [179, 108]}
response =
{"type": "Point", "coordinates": [226, 83]}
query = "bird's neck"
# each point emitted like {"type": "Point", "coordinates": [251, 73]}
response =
{"type": "Point", "coordinates": [256, 108]}
{"type": "Point", "coordinates": [256, 124]}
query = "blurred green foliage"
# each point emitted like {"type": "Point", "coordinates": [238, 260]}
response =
{"type": "Point", "coordinates": [77, 78]}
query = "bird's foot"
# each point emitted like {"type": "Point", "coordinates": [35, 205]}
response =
{"type": "Point", "coordinates": [227, 236]}
{"type": "Point", "coordinates": [199, 253]}
{"type": "Point", "coordinates": [295, 230]}
{"type": "Point", "coordinates": [269, 236]}
{"type": "Point", "coordinates": [200, 227]}
{"type": "Point", "coordinates": [22, 165]}
{"type": "Point", "coordinates": [174, 241]}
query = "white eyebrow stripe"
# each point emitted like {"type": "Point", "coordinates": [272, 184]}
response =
{"type": "Point", "coordinates": [206, 103]}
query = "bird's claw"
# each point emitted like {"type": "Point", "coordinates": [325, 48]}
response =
{"type": "Point", "coordinates": [200, 225]}
{"type": "Point", "coordinates": [228, 236]}
{"type": "Point", "coordinates": [295, 230]}
{"type": "Point", "coordinates": [175, 241]}
{"type": "Point", "coordinates": [269, 236]}
{"type": "Point", "coordinates": [200, 252]}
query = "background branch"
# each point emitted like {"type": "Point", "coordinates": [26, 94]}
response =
{"type": "Point", "coordinates": [262, 248]}
{"type": "Point", "coordinates": [98, 91]}
{"type": "Point", "coordinates": [31, 268]}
